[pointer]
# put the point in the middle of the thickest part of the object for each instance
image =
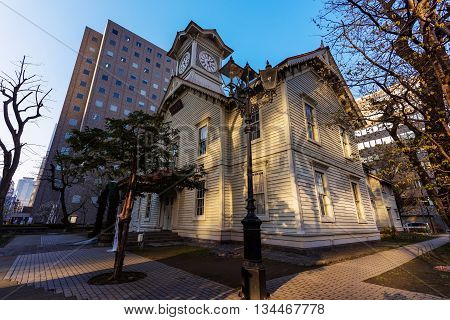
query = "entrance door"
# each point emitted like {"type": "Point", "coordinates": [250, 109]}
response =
{"type": "Point", "coordinates": [167, 216]}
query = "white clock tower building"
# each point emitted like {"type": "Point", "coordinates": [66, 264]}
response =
{"type": "Point", "coordinates": [199, 53]}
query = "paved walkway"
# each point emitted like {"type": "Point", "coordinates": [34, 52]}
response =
{"type": "Point", "coordinates": [67, 272]}
{"type": "Point", "coordinates": [345, 280]}
{"type": "Point", "coordinates": [21, 244]}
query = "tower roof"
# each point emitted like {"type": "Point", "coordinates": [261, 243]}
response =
{"type": "Point", "coordinates": [193, 30]}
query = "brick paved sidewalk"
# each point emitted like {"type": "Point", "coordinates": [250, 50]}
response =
{"type": "Point", "coordinates": [345, 280]}
{"type": "Point", "coordinates": [67, 272]}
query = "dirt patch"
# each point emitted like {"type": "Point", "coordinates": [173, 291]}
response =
{"type": "Point", "coordinates": [210, 265]}
{"type": "Point", "coordinates": [419, 274]}
{"type": "Point", "coordinates": [106, 278]}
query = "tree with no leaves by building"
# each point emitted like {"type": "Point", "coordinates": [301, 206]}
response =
{"type": "Point", "coordinates": [23, 100]}
{"type": "Point", "coordinates": [396, 52]}
{"type": "Point", "coordinates": [139, 152]}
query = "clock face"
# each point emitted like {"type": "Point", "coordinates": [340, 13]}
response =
{"type": "Point", "coordinates": [184, 62]}
{"type": "Point", "coordinates": [207, 61]}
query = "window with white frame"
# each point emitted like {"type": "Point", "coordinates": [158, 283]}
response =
{"type": "Point", "coordinates": [202, 137]}
{"type": "Point", "coordinates": [357, 198]}
{"type": "Point", "coordinates": [345, 142]}
{"type": "Point", "coordinates": [259, 193]}
{"type": "Point", "coordinates": [256, 133]}
{"type": "Point", "coordinates": [311, 123]}
{"type": "Point", "coordinates": [323, 194]}
{"type": "Point", "coordinates": [200, 200]}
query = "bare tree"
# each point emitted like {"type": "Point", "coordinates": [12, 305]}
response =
{"type": "Point", "coordinates": [397, 51]}
{"type": "Point", "coordinates": [23, 100]}
{"type": "Point", "coordinates": [64, 173]}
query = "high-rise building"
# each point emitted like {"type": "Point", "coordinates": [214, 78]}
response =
{"type": "Point", "coordinates": [24, 190]}
{"type": "Point", "coordinates": [115, 73]}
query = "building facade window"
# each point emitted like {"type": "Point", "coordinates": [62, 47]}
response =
{"type": "Point", "coordinates": [202, 137]}
{"type": "Point", "coordinates": [101, 90]}
{"type": "Point", "coordinates": [125, 49]}
{"type": "Point", "coordinates": [113, 108]}
{"type": "Point", "coordinates": [99, 103]}
{"type": "Point", "coordinates": [114, 31]}
{"type": "Point", "coordinates": [136, 54]}
{"type": "Point", "coordinates": [131, 88]}
{"type": "Point", "coordinates": [200, 200]}
{"type": "Point", "coordinates": [104, 77]}
{"type": "Point", "coordinates": [256, 133]}
{"type": "Point", "coordinates": [126, 112]}
{"type": "Point", "coordinates": [109, 53]}
{"type": "Point", "coordinates": [154, 97]}
{"type": "Point", "coordinates": [86, 72]}
{"type": "Point", "coordinates": [311, 123]}
{"type": "Point", "coordinates": [155, 85]}
{"type": "Point", "coordinates": [146, 70]}
{"type": "Point", "coordinates": [65, 150]}
{"type": "Point", "coordinates": [158, 65]}
{"type": "Point", "coordinates": [133, 77]}
{"type": "Point", "coordinates": [118, 83]}
{"type": "Point", "coordinates": [112, 42]}
{"type": "Point", "coordinates": [76, 108]}
{"type": "Point", "coordinates": [135, 65]}
{"type": "Point", "coordinates": [357, 199]}
{"type": "Point", "coordinates": [80, 95]}
{"type": "Point", "coordinates": [116, 95]}
{"type": "Point", "coordinates": [72, 122]}
{"type": "Point", "coordinates": [89, 60]}
{"type": "Point", "coordinates": [259, 193]}
{"type": "Point", "coordinates": [345, 142]}
{"type": "Point", "coordinates": [147, 60]}
{"type": "Point", "coordinates": [152, 108]}
{"type": "Point", "coordinates": [83, 83]}
{"type": "Point", "coordinates": [138, 44]}
{"type": "Point", "coordinates": [76, 198]}
{"type": "Point", "coordinates": [143, 92]}
{"type": "Point", "coordinates": [141, 104]}
{"type": "Point", "coordinates": [159, 55]}
{"type": "Point", "coordinates": [95, 117]}
{"type": "Point", "coordinates": [123, 59]}
{"type": "Point", "coordinates": [323, 194]}
{"type": "Point", "coordinates": [129, 99]}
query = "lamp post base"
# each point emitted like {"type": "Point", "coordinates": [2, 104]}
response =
{"type": "Point", "coordinates": [253, 281]}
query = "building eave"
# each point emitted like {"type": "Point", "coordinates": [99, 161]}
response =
{"type": "Point", "coordinates": [183, 86]}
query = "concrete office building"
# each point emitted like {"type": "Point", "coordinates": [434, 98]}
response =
{"type": "Point", "coordinates": [115, 73]}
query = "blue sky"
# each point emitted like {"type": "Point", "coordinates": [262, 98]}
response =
{"type": "Point", "coordinates": [49, 32]}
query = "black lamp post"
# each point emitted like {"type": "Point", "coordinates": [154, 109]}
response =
{"type": "Point", "coordinates": [247, 89]}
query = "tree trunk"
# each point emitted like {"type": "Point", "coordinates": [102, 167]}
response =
{"type": "Point", "coordinates": [4, 188]}
{"type": "Point", "coordinates": [124, 224]}
{"type": "Point", "coordinates": [62, 201]}
{"type": "Point", "coordinates": [102, 203]}
{"type": "Point", "coordinates": [3, 193]}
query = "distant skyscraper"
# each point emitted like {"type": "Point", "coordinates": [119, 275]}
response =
{"type": "Point", "coordinates": [24, 190]}
{"type": "Point", "coordinates": [115, 73]}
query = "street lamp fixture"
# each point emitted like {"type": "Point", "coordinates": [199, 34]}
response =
{"type": "Point", "coordinates": [248, 89]}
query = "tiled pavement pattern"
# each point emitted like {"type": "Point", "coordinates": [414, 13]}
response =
{"type": "Point", "coordinates": [67, 272]}
{"type": "Point", "coordinates": [345, 280]}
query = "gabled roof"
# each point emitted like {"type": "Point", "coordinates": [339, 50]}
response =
{"type": "Point", "coordinates": [323, 57]}
{"type": "Point", "coordinates": [193, 30]}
